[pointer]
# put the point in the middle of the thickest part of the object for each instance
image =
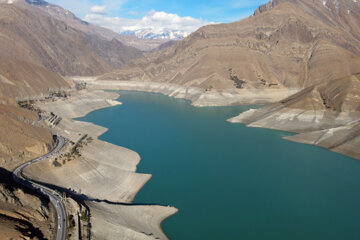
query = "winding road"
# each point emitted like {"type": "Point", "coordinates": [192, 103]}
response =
{"type": "Point", "coordinates": [54, 197]}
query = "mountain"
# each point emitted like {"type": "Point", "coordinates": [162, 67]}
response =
{"type": "Point", "coordinates": [36, 52]}
{"type": "Point", "coordinates": [165, 45]}
{"type": "Point", "coordinates": [285, 44]}
{"type": "Point", "coordinates": [149, 33]}
{"type": "Point", "coordinates": [310, 45]}
{"type": "Point", "coordinates": [28, 36]}
{"type": "Point", "coordinates": [57, 12]}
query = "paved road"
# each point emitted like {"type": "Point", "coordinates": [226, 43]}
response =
{"type": "Point", "coordinates": [54, 197]}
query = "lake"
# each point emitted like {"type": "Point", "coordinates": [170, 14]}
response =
{"type": "Point", "coordinates": [230, 181]}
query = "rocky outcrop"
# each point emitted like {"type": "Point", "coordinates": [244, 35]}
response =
{"type": "Point", "coordinates": [22, 215]}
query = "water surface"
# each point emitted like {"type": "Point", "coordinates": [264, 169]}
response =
{"type": "Point", "coordinates": [230, 181]}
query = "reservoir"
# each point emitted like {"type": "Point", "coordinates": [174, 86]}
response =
{"type": "Point", "coordinates": [230, 181]}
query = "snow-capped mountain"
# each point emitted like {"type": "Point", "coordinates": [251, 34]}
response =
{"type": "Point", "coordinates": [148, 33]}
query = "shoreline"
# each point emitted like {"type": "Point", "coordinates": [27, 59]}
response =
{"type": "Point", "coordinates": [198, 97]}
{"type": "Point", "coordinates": [101, 164]}
{"type": "Point", "coordinates": [313, 127]}
{"type": "Point", "coordinates": [310, 125]}
{"type": "Point", "coordinates": [86, 101]}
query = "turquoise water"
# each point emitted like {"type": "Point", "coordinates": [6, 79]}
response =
{"type": "Point", "coordinates": [230, 181]}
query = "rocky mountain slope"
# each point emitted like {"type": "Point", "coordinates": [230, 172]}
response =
{"type": "Point", "coordinates": [286, 44]}
{"type": "Point", "coordinates": [57, 12]}
{"type": "Point", "coordinates": [28, 36]}
{"type": "Point", "coordinates": [23, 138]}
{"type": "Point", "coordinates": [22, 215]}
{"type": "Point", "coordinates": [23, 80]}
{"type": "Point", "coordinates": [312, 45]}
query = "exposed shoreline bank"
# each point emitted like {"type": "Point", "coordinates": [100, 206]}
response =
{"type": "Point", "coordinates": [104, 172]}
{"type": "Point", "coordinates": [118, 162]}
{"type": "Point", "coordinates": [313, 127]}
{"type": "Point", "coordinates": [198, 97]}
{"type": "Point", "coordinates": [337, 132]}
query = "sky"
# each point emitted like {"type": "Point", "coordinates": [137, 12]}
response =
{"type": "Point", "coordinates": [182, 15]}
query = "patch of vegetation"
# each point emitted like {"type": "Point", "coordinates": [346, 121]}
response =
{"type": "Point", "coordinates": [75, 149]}
{"type": "Point", "coordinates": [272, 84]}
{"type": "Point", "coordinates": [56, 163]}
{"type": "Point", "coordinates": [209, 88]}
{"type": "Point", "coordinates": [89, 139]}
{"type": "Point", "coordinates": [84, 216]}
{"type": "Point", "coordinates": [263, 81]}
{"type": "Point", "coordinates": [239, 83]}
{"type": "Point", "coordinates": [71, 221]}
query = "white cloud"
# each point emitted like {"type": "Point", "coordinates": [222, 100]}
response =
{"type": "Point", "coordinates": [157, 21]}
{"type": "Point", "coordinates": [99, 9]}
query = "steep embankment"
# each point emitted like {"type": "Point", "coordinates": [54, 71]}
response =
{"type": "Point", "coordinates": [286, 44]}
{"type": "Point", "coordinates": [28, 36]}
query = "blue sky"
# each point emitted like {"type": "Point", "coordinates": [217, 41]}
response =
{"type": "Point", "coordinates": [160, 13]}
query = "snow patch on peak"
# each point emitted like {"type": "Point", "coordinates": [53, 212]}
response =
{"type": "Point", "coordinates": [150, 33]}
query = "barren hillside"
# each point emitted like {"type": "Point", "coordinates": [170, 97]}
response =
{"type": "Point", "coordinates": [28, 36]}
{"type": "Point", "coordinates": [285, 44]}
{"type": "Point", "coordinates": [21, 80]}
{"type": "Point", "coordinates": [57, 12]}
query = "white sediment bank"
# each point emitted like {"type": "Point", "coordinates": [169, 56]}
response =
{"type": "Point", "coordinates": [336, 131]}
{"type": "Point", "coordinates": [199, 97]}
{"type": "Point", "coordinates": [275, 116]}
{"type": "Point", "coordinates": [104, 172]}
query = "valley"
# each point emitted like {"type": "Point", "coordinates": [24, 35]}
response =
{"type": "Point", "coordinates": [296, 63]}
